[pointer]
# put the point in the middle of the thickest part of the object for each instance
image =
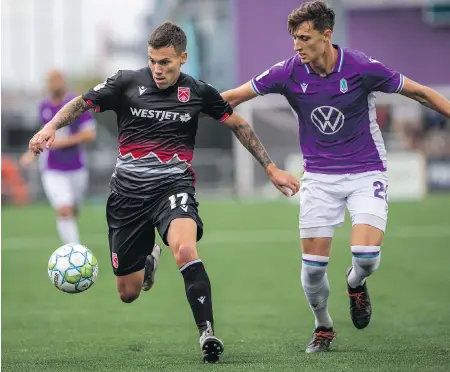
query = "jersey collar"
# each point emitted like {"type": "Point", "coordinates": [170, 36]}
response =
{"type": "Point", "coordinates": [337, 66]}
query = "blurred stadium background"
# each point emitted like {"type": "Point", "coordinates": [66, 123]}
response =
{"type": "Point", "coordinates": [229, 41]}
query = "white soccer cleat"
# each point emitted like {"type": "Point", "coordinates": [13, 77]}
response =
{"type": "Point", "coordinates": [211, 346]}
{"type": "Point", "coordinates": [152, 261]}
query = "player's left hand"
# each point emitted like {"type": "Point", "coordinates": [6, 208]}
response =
{"type": "Point", "coordinates": [42, 140]}
{"type": "Point", "coordinates": [284, 181]}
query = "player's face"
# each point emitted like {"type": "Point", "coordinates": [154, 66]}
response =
{"type": "Point", "coordinates": [56, 84]}
{"type": "Point", "coordinates": [165, 64]}
{"type": "Point", "coordinates": [310, 43]}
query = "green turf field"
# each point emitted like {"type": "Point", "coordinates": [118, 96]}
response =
{"type": "Point", "coordinates": [252, 257]}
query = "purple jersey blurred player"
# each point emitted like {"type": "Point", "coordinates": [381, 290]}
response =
{"type": "Point", "coordinates": [331, 90]}
{"type": "Point", "coordinates": [63, 167]}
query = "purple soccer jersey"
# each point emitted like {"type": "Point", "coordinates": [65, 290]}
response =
{"type": "Point", "coordinates": [70, 158]}
{"type": "Point", "coordinates": [338, 127]}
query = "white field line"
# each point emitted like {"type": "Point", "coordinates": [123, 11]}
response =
{"type": "Point", "coordinates": [226, 237]}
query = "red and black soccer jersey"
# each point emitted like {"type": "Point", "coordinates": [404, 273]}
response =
{"type": "Point", "coordinates": [156, 127]}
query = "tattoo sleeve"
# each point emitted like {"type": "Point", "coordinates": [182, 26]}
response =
{"type": "Point", "coordinates": [70, 112]}
{"type": "Point", "coordinates": [251, 142]}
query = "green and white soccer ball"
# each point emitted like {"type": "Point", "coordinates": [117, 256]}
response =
{"type": "Point", "coordinates": [72, 268]}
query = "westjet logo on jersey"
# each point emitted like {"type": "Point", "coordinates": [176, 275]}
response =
{"type": "Point", "coordinates": [328, 119]}
{"type": "Point", "coordinates": [160, 115]}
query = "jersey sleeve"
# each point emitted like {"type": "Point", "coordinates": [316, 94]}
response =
{"type": "Point", "coordinates": [271, 80]}
{"type": "Point", "coordinates": [381, 78]}
{"type": "Point", "coordinates": [214, 105]}
{"type": "Point", "coordinates": [105, 96]}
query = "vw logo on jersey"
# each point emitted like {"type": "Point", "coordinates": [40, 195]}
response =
{"type": "Point", "coordinates": [328, 119]}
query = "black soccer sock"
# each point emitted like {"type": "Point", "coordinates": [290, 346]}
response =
{"type": "Point", "coordinates": [198, 293]}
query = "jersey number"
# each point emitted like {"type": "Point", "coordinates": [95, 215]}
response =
{"type": "Point", "coordinates": [173, 201]}
{"type": "Point", "coordinates": [380, 190]}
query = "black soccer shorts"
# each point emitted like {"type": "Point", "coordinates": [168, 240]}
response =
{"type": "Point", "coordinates": [132, 223]}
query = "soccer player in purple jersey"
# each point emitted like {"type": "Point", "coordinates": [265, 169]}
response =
{"type": "Point", "coordinates": [153, 185]}
{"type": "Point", "coordinates": [63, 167]}
{"type": "Point", "coordinates": [331, 90]}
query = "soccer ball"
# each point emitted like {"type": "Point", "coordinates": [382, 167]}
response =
{"type": "Point", "coordinates": [72, 268]}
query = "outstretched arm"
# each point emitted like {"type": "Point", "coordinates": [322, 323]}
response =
{"type": "Point", "coordinates": [71, 111]}
{"type": "Point", "coordinates": [219, 109]}
{"type": "Point", "coordinates": [283, 181]}
{"type": "Point", "coordinates": [249, 139]}
{"type": "Point", "coordinates": [426, 96]}
{"type": "Point", "coordinates": [239, 95]}
{"type": "Point", "coordinates": [104, 96]}
{"type": "Point", "coordinates": [270, 81]}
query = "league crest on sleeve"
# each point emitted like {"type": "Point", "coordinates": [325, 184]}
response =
{"type": "Point", "coordinates": [184, 94]}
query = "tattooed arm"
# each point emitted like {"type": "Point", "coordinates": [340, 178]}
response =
{"type": "Point", "coordinates": [283, 181]}
{"type": "Point", "coordinates": [249, 139]}
{"type": "Point", "coordinates": [217, 108]}
{"type": "Point", "coordinates": [71, 111]}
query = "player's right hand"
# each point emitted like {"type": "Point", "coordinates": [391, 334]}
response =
{"type": "Point", "coordinates": [284, 181]}
{"type": "Point", "coordinates": [42, 140]}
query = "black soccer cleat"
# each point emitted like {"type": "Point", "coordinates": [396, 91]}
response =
{"type": "Point", "coordinates": [321, 340]}
{"type": "Point", "coordinates": [210, 345]}
{"type": "Point", "coordinates": [151, 264]}
{"type": "Point", "coordinates": [360, 305]}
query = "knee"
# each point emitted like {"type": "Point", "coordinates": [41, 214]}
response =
{"type": "Point", "coordinates": [317, 246]}
{"type": "Point", "coordinates": [129, 289]}
{"type": "Point", "coordinates": [128, 296]}
{"type": "Point", "coordinates": [65, 211]}
{"type": "Point", "coordinates": [370, 233]}
{"type": "Point", "coordinates": [185, 253]}
{"type": "Point", "coordinates": [314, 269]}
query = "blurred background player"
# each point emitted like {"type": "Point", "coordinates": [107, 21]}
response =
{"type": "Point", "coordinates": [331, 90]}
{"type": "Point", "coordinates": [63, 167]}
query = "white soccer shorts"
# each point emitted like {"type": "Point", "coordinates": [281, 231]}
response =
{"type": "Point", "coordinates": [65, 188]}
{"type": "Point", "coordinates": [323, 198]}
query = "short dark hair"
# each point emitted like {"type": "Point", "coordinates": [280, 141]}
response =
{"type": "Point", "coordinates": [318, 12]}
{"type": "Point", "coordinates": [168, 34]}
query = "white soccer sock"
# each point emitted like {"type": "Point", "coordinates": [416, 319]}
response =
{"type": "Point", "coordinates": [316, 287]}
{"type": "Point", "coordinates": [366, 260]}
{"type": "Point", "coordinates": [67, 229]}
